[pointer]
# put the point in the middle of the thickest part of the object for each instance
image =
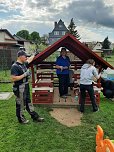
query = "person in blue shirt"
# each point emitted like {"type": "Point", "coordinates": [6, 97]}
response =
{"type": "Point", "coordinates": [62, 66]}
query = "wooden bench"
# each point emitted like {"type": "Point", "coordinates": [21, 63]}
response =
{"type": "Point", "coordinates": [42, 91]}
{"type": "Point", "coordinates": [42, 76]}
{"type": "Point", "coordinates": [42, 95]}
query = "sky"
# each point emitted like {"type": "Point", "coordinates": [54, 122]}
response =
{"type": "Point", "coordinates": [94, 18]}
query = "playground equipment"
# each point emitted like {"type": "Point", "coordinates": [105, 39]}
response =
{"type": "Point", "coordinates": [103, 145]}
{"type": "Point", "coordinates": [43, 87]}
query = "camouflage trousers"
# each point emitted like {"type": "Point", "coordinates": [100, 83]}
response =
{"type": "Point", "coordinates": [23, 102]}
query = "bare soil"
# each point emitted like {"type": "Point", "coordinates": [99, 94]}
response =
{"type": "Point", "coordinates": [70, 117]}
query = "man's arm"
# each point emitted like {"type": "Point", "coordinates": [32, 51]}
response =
{"type": "Point", "coordinates": [17, 78]}
{"type": "Point", "coordinates": [30, 59]}
{"type": "Point", "coordinates": [96, 75]}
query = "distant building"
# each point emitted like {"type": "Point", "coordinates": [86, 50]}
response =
{"type": "Point", "coordinates": [112, 46]}
{"type": "Point", "coordinates": [95, 47]}
{"type": "Point", "coordinates": [58, 32]}
{"type": "Point", "coordinates": [9, 46]}
{"type": "Point", "coordinates": [7, 40]}
{"type": "Point", "coordinates": [98, 46]}
{"type": "Point", "coordinates": [90, 45]}
{"type": "Point", "coordinates": [24, 43]}
{"type": "Point", "coordinates": [8, 49]}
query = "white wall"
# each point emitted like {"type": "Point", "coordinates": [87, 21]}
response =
{"type": "Point", "coordinates": [9, 39]}
{"type": "Point", "coordinates": [98, 46]}
{"type": "Point", "coordinates": [2, 36]}
{"type": "Point", "coordinates": [28, 47]}
{"type": "Point", "coordinates": [112, 45]}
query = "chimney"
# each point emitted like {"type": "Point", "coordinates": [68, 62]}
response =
{"type": "Point", "coordinates": [55, 24]}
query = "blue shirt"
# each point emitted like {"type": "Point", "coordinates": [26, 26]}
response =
{"type": "Point", "coordinates": [63, 62]}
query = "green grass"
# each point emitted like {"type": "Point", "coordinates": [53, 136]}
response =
{"type": "Point", "coordinates": [110, 60]}
{"type": "Point", "coordinates": [5, 75]}
{"type": "Point", "coordinates": [51, 136]}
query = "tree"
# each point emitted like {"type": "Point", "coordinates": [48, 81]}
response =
{"type": "Point", "coordinates": [113, 51]}
{"type": "Point", "coordinates": [106, 46]}
{"type": "Point", "coordinates": [71, 29]}
{"type": "Point", "coordinates": [24, 34]}
{"type": "Point", "coordinates": [35, 37]}
{"type": "Point", "coordinates": [44, 39]}
{"type": "Point", "coordinates": [106, 43]}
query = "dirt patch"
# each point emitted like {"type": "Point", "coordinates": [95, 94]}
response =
{"type": "Point", "coordinates": [70, 117]}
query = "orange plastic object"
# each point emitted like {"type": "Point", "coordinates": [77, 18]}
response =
{"type": "Point", "coordinates": [103, 145]}
{"type": "Point", "coordinates": [108, 145]}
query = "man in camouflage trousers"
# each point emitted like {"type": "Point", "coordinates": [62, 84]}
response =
{"type": "Point", "coordinates": [19, 75]}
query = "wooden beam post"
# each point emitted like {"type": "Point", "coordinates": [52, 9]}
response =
{"type": "Point", "coordinates": [33, 75]}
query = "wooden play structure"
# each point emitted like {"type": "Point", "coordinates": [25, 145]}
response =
{"type": "Point", "coordinates": [103, 145]}
{"type": "Point", "coordinates": [44, 78]}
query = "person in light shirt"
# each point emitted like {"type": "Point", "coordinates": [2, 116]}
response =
{"type": "Point", "coordinates": [88, 71]}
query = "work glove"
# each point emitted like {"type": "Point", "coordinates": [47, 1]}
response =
{"type": "Point", "coordinates": [35, 53]}
{"type": "Point", "coordinates": [27, 73]}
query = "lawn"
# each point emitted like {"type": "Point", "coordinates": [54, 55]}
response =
{"type": "Point", "coordinates": [5, 75]}
{"type": "Point", "coordinates": [51, 136]}
{"type": "Point", "coordinates": [110, 60]}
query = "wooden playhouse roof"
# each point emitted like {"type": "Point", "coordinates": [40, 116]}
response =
{"type": "Point", "coordinates": [73, 45]}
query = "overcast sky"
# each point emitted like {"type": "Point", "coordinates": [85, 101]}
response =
{"type": "Point", "coordinates": [94, 18]}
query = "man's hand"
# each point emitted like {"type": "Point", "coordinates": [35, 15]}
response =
{"type": "Point", "coordinates": [27, 73]}
{"type": "Point", "coordinates": [30, 59]}
{"type": "Point", "coordinates": [36, 53]}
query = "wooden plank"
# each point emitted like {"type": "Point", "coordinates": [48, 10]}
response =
{"type": "Point", "coordinates": [42, 89]}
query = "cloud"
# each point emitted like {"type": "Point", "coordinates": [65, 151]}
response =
{"type": "Point", "coordinates": [14, 26]}
{"type": "Point", "coordinates": [92, 11]}
{"type": "Point", "coordinates": [3, 11]}
{"type": "Point", "coordinates": [87, 34]}
{"type": "Point", "coordinates": [90, 16]}
{"type": "Point", "coordinates": [97, 12]}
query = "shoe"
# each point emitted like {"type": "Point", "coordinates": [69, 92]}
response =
{"type": "Point", "coordinates": [67, 94]}
{"type": "Point", "coordinates": [64, 97]}
{"type": "Point", "coordinates": [39, 119]}
{"type": "Point", "coordinates": [81, 111]}
{"type": "Point", "coordinates": [96, 110]}
{"type": "Point", "coordinates": [71, 88]}
{"type": "Point", "coordinates": [24, 121]}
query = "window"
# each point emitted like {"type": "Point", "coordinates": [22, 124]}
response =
{"type": "Point", "coordinates": [63, 32]}
{"type": "Point", "coordinates": [60, 26]}
{"type": "Point", "coordinates": [56, 32]}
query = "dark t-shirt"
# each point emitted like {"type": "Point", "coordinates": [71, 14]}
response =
{"type": "Point", "coordinates": [18, 69]}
